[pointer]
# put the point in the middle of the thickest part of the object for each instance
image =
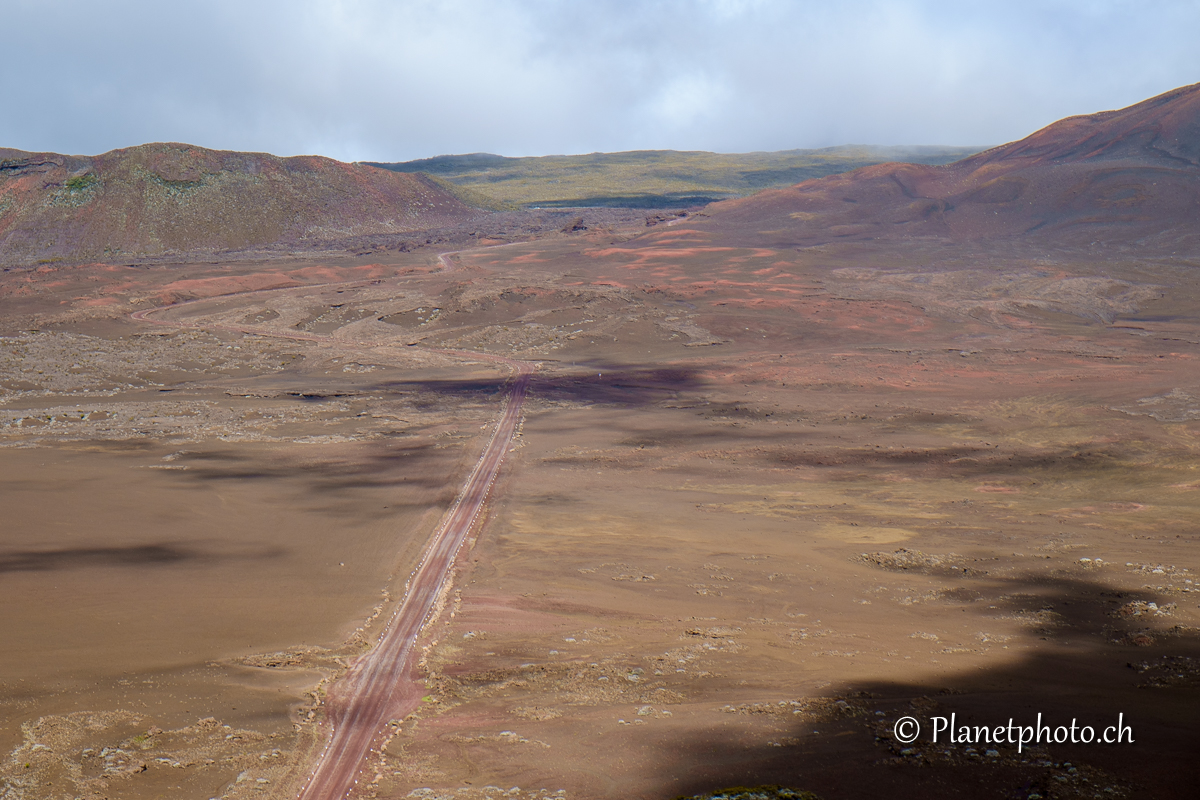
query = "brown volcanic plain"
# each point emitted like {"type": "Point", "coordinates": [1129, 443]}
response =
{"type": "Point", "coordinates": [791, 468]}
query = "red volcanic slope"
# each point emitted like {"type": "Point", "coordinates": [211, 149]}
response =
{"type": "Point", "coordinates": [1128, 176]}
{"type": "Point", "coordinates": [164, 198]}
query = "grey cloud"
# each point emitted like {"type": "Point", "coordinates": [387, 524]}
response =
{"type": "Point", "coordinates": [376, 80]}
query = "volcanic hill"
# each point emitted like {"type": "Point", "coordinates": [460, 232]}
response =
{"type": "Point", "coordinates": [159, 199]}
{"type": "Point", "coordinates": [1126, 177]}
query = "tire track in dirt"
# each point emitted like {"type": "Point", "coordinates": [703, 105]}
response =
{"type": "Point", "coordinates": [382, 685]}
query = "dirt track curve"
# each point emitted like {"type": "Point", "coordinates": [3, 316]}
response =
{"type": "Point", "coordinates": [381, 685]}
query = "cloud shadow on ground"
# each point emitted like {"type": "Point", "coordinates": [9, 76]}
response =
{"type": "Point", "coordinates": [1079, 659]}
{"type": "Point", "coordinates": [146, 555]}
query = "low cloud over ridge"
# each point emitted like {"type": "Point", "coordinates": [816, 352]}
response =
{"type": "Point", "coordinates": [374, 80]}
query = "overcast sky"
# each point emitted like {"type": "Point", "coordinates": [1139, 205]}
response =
{"type": "Point", "coordinates": [391, 80]}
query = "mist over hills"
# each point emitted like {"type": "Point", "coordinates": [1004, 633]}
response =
{"type": "Point", "coordinates": [158, 199]}
{"type": "Point", "coordinates": [1125, 177]}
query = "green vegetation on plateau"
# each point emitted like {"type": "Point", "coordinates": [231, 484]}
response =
{"type": "Point", "coordinates": [81, 183]}
{"type": "Point", "coordinates": [651, 178]}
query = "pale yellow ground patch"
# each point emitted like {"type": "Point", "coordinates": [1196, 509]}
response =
{"type": "Point", "coordinates": [865, 534]}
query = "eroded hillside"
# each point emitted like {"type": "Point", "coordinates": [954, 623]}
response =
{"type": "Point", "coordinates": [174, 198]}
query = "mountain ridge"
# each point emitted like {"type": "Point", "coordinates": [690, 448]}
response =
{"type": "Point", "coordinates": [164, 198]}
{"type": "Point", "coordinates": [653, 178]}
{"type": "Point", "coordinates": [1128, 176]}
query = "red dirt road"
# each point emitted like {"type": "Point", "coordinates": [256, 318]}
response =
{"type": "Point", "coordinates": [381, 687]}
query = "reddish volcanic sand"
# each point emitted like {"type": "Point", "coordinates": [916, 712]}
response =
{"type": "Point", "coordinates": [819, 460]}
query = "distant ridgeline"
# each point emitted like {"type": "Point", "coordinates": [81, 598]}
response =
{"type": "Point", "coordinates": [650, 178]}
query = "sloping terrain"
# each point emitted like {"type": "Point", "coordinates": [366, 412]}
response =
{"type": "Point", "coordinates": [653, 178]}
{"type": "Point", "coordinates": [162, 198]}
{"type": "Point", "coordinates": [767, 501]}
{"type": "Point", "coordinates": [1127, 177]}
{"type": "Point", "coordinates": [764, 504]}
